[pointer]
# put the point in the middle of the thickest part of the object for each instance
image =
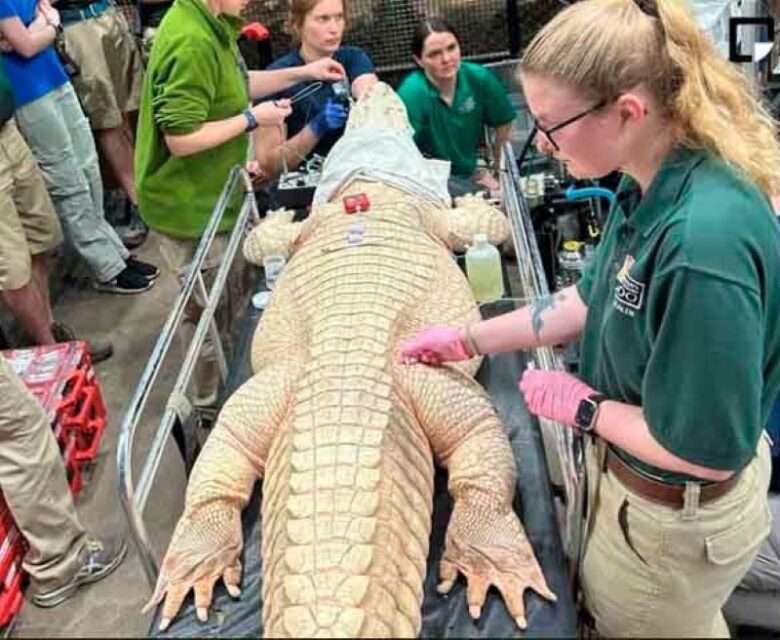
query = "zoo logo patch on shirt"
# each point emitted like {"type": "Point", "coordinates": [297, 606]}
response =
{"type": "Point", "coordinates": [469, 104]}
{"type": "Point", "coordinates": [629, 293]}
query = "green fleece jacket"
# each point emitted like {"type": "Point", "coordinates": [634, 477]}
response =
{"type": "Point", "coordinates": [193, 77]}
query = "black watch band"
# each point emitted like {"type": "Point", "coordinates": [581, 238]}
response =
{"type": "Point", "coordinates": [251, 121]}
{"type": "Point", "coordinates": [587, 411]}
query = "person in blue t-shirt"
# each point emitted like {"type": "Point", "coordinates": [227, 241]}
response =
{"type": "Point", "coordinates": [318, 118]}
{"type": "Point", "coordinates": [53, 124]}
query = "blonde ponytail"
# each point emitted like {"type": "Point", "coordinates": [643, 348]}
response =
{"type": "Point", "coordinates": [606, 47]}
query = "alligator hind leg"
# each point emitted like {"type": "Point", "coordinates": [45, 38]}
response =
{"type": "Point", "coordinates": [485, 540]}
{"type": "Point", "coordinates": [207, 542]}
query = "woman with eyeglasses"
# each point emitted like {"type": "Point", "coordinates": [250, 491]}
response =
{"type": "Point", "coordinates": [676, 315]}
{"type": "Point", "coordinates": [450, 102]}
{"type": "Point", "coordinates": [319, 113]}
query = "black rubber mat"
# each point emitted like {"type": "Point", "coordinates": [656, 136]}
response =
{"type": "Point", "coordinates": [443, 616]}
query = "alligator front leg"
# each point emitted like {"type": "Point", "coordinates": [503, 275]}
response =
{"type": "Point", "coordinates": [207, 542]}
{"type": "Point", "coordinates": [276, 235]}
{"type": "Point", "coordinates": [485, 540]}
{"type": "Point", "coordinates": [473, 215]}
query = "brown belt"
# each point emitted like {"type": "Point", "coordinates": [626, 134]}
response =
{"type": "Point", "coordinates": [671, 495]}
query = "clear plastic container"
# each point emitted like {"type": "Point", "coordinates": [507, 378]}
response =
{"type": "Point", "coordinates": [273, 266]}
{"type": "Point", "coordinates": [570, 264]}
{"type": "Point", "coordinates": [483, 268]}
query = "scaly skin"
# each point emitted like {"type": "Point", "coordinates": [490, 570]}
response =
{"type": "Point", "coordinates": [345, 436]}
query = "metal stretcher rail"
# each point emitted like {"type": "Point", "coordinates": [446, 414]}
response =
{"type": "Point", "coordinates": [134, 495]}
{"type": "Point", "coordinates": [567, 466]}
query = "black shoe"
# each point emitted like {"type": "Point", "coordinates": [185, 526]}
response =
{"type": "Point", "coordinates": [148, 271]}
{"type": "Point", "coordinates": [100, 558]}
{"type": "Point", "coordinates": [128, 281]}
{"type": "Point", "coordinates": [98, 349]}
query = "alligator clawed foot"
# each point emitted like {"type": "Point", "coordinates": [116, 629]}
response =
{"type": "Point", "coordinates": [491, 550]}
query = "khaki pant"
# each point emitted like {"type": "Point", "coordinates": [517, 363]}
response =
{"type": "Point", "coordinates": [653, 571]}
{"type": "Point", "coordinates": [34, 483]}
{"type": "Point", "coordinates": [28, 223]}
{"type": "Point", "coordinates": [177, 254]}
{"type": "Point", "coordinates": [110, 67]}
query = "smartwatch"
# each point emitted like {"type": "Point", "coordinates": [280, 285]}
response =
{"type": "Point", "coordinates": [587, 411]}
{"type": "Point", "coordinates": [251, 121]}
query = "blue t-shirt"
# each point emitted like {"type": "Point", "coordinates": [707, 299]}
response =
{"type": "Point", "coordinates": [34, 77]}
{"type": "Point", "coordinates": [355, 62]}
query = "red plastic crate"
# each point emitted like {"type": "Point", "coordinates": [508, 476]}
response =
{"type": "Point", "coordinates": [11, 596]}
{"type": "Point", "coordinates": [87, 421]}
{"type": "Point", "coordinates": [46, 370]}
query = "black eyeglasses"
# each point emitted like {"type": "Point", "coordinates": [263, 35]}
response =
{"type": "Point", "coordinates": [548, 132]}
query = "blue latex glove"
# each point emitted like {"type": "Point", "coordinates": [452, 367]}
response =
{"type": "Point", "coordinates": [331, 117]}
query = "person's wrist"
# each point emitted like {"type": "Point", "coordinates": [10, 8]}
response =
{"type": "Point", "coordinates": [588, 410]}
{"type": "Point", "coordinates": [302, 73]}
{"type": "Point", "coordinates": [469, 341]}
{"type": "Point", "coordinates": [251, 120]}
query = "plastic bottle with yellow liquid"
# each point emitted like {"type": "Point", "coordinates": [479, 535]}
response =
{"type": "Point", "coordinates": [483, 268]}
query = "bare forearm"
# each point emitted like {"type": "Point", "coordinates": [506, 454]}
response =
{"type": "Point", "coordinates": [273, 153]}
{"type": "Point", "coordinates": [265, 83]}
{"type": "Point", "coordinates": [553, 319]}
{"type": "Point", "coordinates": [625, 426]}
{"type": "Point", "coordinates": [210, 135]}
{"type": "Point", "coordinates": [503, 134]}
{"type": "Point", "coordinates": [28, 42]}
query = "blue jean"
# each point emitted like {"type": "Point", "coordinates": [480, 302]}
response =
{"type": "Point", "coordinates": [61, 141]}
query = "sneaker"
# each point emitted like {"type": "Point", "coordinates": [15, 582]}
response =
{"type": "Point", "coordinates": [148, 271]}
{"type": "Point", "coordinates": [99, 350]}
{"type": "Point", "coordinates": [100, 559]}
{"type": "Point", "coordinates": [128, 281]}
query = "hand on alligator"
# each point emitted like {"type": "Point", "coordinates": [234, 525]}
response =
{"type": "Point", "coordinates": [554, 395]}
{"type": "Point", "coordinates": [435, 345]}
{"type": "Point", "coordinates": [489, 547]}
{"type": "Point", "coordinates": [206, 546]}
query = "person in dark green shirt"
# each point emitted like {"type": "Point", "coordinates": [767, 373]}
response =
{"type": "Point", "coordinates": [450, 102]}
{"type": "Point", "coordinates": [677, 314]}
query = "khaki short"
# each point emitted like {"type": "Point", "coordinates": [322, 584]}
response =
{"type": "Point", "coordinates": [177, 255]}
{"type": "Point", "coordinates": [28, 224]}
{"type": "Point", "coordinates": [109, 61]}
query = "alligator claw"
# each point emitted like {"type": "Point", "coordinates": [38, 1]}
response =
{"type": "Point", "coordinates": [492, 549]}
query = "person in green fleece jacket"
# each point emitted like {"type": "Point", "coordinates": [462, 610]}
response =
{"type": "Point", "coordinates": [193, 129]}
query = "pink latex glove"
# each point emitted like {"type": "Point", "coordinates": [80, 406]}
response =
{"type": "Point", "coordinates": [435, 345]}
{"type": "Point", "coordinates": [554, 395]}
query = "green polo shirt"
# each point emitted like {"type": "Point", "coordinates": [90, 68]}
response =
{"type": "Point", "coordinates": [454, 132]}
{"type": "Point", "coordinates": [193, 77]}
{"type": "Point", "coordinates": [683, 318]}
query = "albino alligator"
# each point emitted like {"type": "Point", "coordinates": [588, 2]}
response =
{"type": "Point", "coordinates": [345, 436]}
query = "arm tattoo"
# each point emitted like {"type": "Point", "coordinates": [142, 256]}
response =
{"type": "Point", "coordinates": [539, 307]}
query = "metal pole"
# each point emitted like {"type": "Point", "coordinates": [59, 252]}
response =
{"type": "Point", "coordinates": [133, 498]}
